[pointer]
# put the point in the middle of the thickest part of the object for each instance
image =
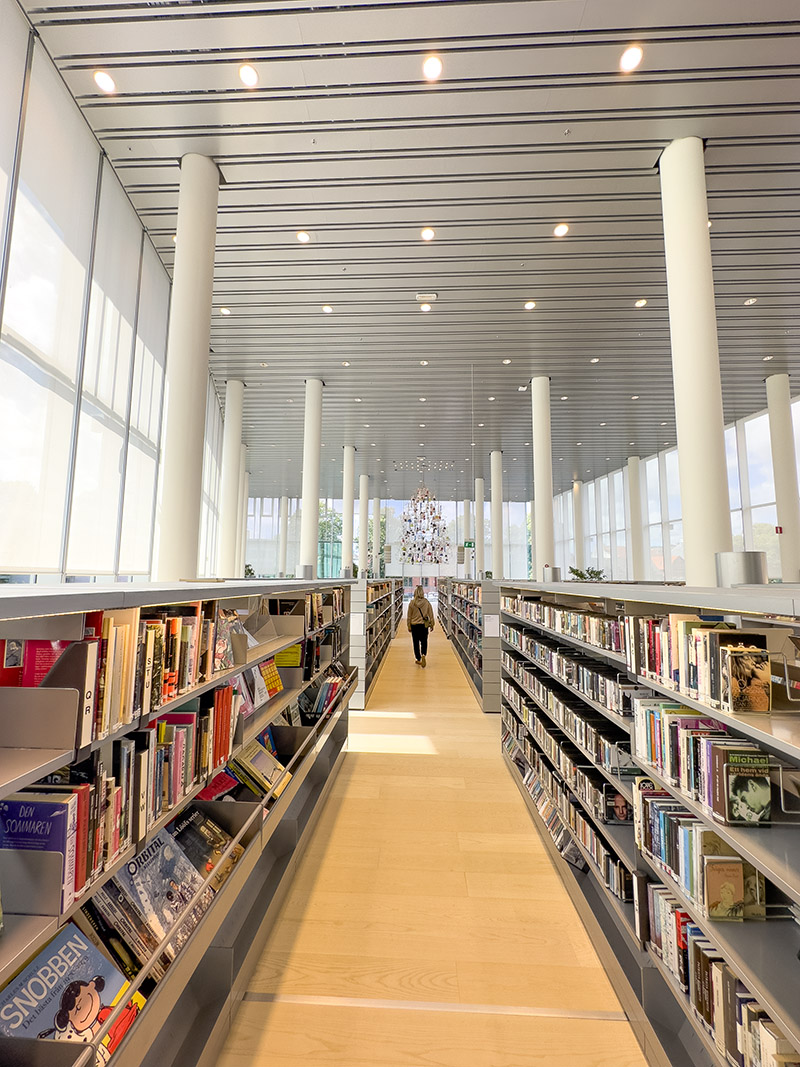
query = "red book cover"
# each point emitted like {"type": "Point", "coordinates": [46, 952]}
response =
{"type": "Point", "coordinates": [11, 661]}
{"type": "Point", "coordinates": [37, 659]}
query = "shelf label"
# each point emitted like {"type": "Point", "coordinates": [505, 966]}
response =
{"type": "Point", "coordinates": [491, 625]}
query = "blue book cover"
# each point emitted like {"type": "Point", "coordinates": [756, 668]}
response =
{"type": "Point", "coordinates": [66, 993]}
{"type": "Point", "coordinates": [43, 823]}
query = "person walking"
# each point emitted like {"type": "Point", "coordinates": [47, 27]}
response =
{"type": "Point", "coordinates": [419, 620]}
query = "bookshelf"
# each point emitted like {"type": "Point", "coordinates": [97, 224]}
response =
{"type": "Point", "coordinates": [461, 617]}
{"type": "Point", "coordinates": [574, 659]}
{"type": "Point", "coordinates": [376, 609]}
{"type": "Point", "coordinates": [187, 1014]}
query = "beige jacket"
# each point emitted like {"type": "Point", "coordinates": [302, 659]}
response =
{"type": "Point", "coordinates": [420, 612]}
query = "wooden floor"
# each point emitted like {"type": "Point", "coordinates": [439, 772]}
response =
{"type": "Point", "coordinates": [426, 926]}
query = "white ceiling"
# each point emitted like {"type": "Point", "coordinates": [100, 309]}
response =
{"type": "Point", "coordinates": [531, 124]}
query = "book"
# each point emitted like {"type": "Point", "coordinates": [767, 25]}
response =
{"type": "Point", "coordinates": [40, 823]}
{"type": "Point", "coordinates": [66, 993]}
{"type": "Point", "coordinates": [203, 842]}
{"type": "Point", "coordinates": [724, 887]}
{"type": "Point", "coordinates": [742, 791]}
{"type": "Point", "coordinates": [159, 882]}
{"type": "Point", "coordinates": [745, 678]}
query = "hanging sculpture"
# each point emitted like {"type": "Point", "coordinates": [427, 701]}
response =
{"type": "Point", "coordinates": [424, 539]}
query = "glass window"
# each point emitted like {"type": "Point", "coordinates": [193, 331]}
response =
{"type": "Point", "coordinates": [673, 484]}
{"type": "Point", "coordinates": [41, 329]}
{"type": "Point", "coordinates": [212, 460]}
{"type": "Point", "coordinates": [605, 507]}
{"type": "Point", "coordinates": [656, 546]}
{"type": "Point", "coordinates": [737, 528]}
{"type": "Point", "coordinates": [765, 539]}
{"type": "Point", "coordinates": [732, 458]}
{"type": "Point", "coordinates": [653, 489]}
{"type": "Point", "coordinates": [618, 487]}
{"type": "Point", "coordinates": [589, 509]}
{"type": "Point", "coordinates": [13, 47]}
{"type": "Point", "coordinates": [759, 461]}
{"type": "Point", "coordinates": [677, 562]}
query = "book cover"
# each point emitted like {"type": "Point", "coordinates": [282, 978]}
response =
{"type": "Point", "coordinates": [160, 881]}
{"type": "Point", "coordinates": [203, 842]}
{"type": "Point", "coordinates": [724, 888]}
{"type": "Point", "coordinates": [748, 789]}
{"type": "Point", "coordinates": [745, 682]}
{"type": "Point", "coordinates": [40, 823]}
{"type": "Point", "coordinates": [66, 993]}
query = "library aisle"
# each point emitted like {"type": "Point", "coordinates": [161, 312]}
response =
{"type": "Point", "coordinates": [425, 924]}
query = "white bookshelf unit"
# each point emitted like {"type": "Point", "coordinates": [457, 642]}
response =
{"type": "Point", "coordinates": [376, 610]}
{"type": "Point", "coordinates": [572, 661]}
{"type": "Point", "coordinates": [189, 1011]}
{"type": "Point", "coordinates": [462, 604]}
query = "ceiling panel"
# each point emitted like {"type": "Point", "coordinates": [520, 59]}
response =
{"type": "Point", "coordinates": [531, 124]}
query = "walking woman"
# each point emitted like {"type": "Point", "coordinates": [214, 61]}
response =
{"type": "Point", "coordinates": [420, 620]}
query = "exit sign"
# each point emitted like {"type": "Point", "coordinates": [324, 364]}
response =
{"type": "Point", "coordinates": [469, 544]}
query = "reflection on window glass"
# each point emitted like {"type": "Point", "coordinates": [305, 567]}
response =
{"type": "Point", "coordinates": [765, 539]}
{"type": "Point", "coordinates": [737, 528]}
{"type": "Point", "coordinates": [759, 461]}
{"type": "Point", "coordinates": [732, 458]}
{"type": "Point", "coordinates": [620, 553]}
{"type": "Point", "coordinates": [656, 554]}
{"type": "Point", "coordinates": [13, 44]}
{"type": "Point", "coordinates": [673, 484]}
{"type": "Point", "coordinates": [653, 490]}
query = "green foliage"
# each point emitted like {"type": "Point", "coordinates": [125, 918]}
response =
{"type": "Point", "coordinates": [590, 574]}
{"type": "Point", "coordinates": [248, 571]}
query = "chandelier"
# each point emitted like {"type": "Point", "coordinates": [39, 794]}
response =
{"type": "Point", "coordinates": [424, 539]}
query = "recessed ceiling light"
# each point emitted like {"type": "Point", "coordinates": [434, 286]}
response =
{"type": "Point", "coordinates": [608, 458]}
{"type": "Point", "coordinates": [565, 398]}
{"type": "Point", "coordinates": [345, 363]}
{"type": "Point", "coordinates": [560, 459]}
{"type": "Point", "coordinates": [506, 362]}
{"type": "Point", "coordinates": [248, 75]}
{"type": "Point", "coordinates": [595, 359]}
{"type": "Point", "coordinates": [577, 442]}
{"type": "Point", "coordinates": [104, 82]}
{"type": "Point", "coordinates": [290, 402]}
{"type": "Point", "coordinates": [522, 388]}
{"type": "Point", "coordinates": [357, 399]}
{"type": "Point", "coordinates": [303, 237]}
{"type": "Point", "coordinates": [327, 309]}
{"type": "Point", "coordinates": [422, 444]}
{"type": "Point", "coordinates": [635, 396]}
{"type": "Point", "coordinates": [640, 303]}
{"type": "Point", "coordinates": [602, 424]}
{"type": "Point", "coordinates": [490, 398]}
{"type": "Point", "coordinates": [514, 460]}
{"type": "Point", "coordinates": [768, 358]}
{"type": "Point", "coordinates": [709, 224]}
{"type": "Point", "coordinates": [472, 443]}
{"type": "Point", "coordinates": [480, 425]}
{"type": "Point", "coordinates": [424, 307]}
{"type": "Point", "coordinates": [432, 68]}
{"type": "Point", "coordinates": [751, 300]}
{"type": "Point", "coordinates": [422, 399]}
{"type": "Point", "coordinates": [372, 444]}
{"type": "Point", "coordinates": [631, 58]}
{"type": "Point", "coordinates": [561, 230]}
{"type": "Point", "coordinates": [527, 443]}
{"type": "Point", "coordinates": [422, 426]}
{"type": "Point", "coordinates": [265, 364]}
{"type": "Point", "coordinates": [663, 424]}
{"type": "Point", "coordinates": [224, 311]}
{"type": "Point", "coordinates": [174, 238]}
{"type": "Point", "coordinates": [428, 233]}
{"type": "Point", "coordinates": [366, 425]}
{"type": "Point", "coordinates": [631, 442]}
{"type": "Point", "coordinates": [530, 305]}
{"type": "Point", "coordinates": [423, 363]}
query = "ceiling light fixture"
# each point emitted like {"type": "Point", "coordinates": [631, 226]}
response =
{"type": "Point", "coordinates": [174, 238]}
{"type": "Point", "coordinates": [491, 398]}
{"type": "Point", "coordinates": [424, 307]}
{"type": "Point", "coordinates": [303, 237]}
{"type": "Point", "coordinates": [565, 398]}
{"type": "Point", "coordinates": [506, 362]}
{"type": "Point", "coordinates": [327, 309]}
{"type": "Point", "coordinates": [224, 311]}
{"type": "Point", "coordinates": [709, 224]}
{"type": "Point", "coordinates": [423, 363]}
{"type": "Point", "coordinates": [422, 399]}
{"type": "Point", "coordinates": [750, 300]}
{"type": "Point", "coordinates": [248, 75]}
{"type": "Point", "coordinates": [630, 58]}
{"type": "Point", "coordinates": [422, 426]}
{"type": "Point", "coordinates": [104, 82]}
{"type": "Point", "coordinates": [663, 424]}
{"type": "Point", "coordinates": [767, 359]}
{"type": "Point", "coordinates": [265, 364]}
{"type": "Point", "coordinates": [432, 68]}
{"type": "Point", "coordinates": [480, 425]}
{"type": "Point", "coordinates": [640, 303]}
{"type": "Point", "coordinates": [635, 396]}
{"type": "Point", "coordinates": [522, 388]}
{"type": "Point", "coordinates": [427, 233]}
{"type": "Point", "coordinates": [345, 363]}
{"type": "Point", "coordinates": [357, 399]}
{"type": "Point", "coordinates": [561, 230]}
{"type": "Point", "coordinates": [530, 305]}
{"type": "Point", "coordinates": [595, 359]}
{"type": "Point", "coordinates": [602, 424]}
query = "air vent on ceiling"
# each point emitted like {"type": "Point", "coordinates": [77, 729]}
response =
{"type": "Point", "coordinates": [426, 298]}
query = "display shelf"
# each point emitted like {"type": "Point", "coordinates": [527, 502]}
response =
{"type": "Point", "coordinates": [372, 631]}
{"type": "Point", "coordinates": [22, 766]}
{"type": "Point", "coordinates": [615, 780]}
{"type": "Point", "coordinates": [774, 849]}
{"type": "Point", "coordinates": [22, 937]}
{"type": "Point", "coordinates": [716, 1059]}
{"type": "Point", "coordinates": [614, 658]}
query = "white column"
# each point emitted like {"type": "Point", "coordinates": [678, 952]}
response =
{"type": "Point", "coordinates": [636, 521]}
{"type": "Point", "coordinates": [784, 470]}
{"type": "Point", "coordinates": [186, 384]}
{"type": "Point", "coordinates": [695, 360]}
{"type": "Point", "coordinates": [577, 523]}
{"type": "Point", "coordinates": [241, 504]}
{"type": "Point", "coordinates": [542, 474]}
{"type": "Point", "coordinates": [245, 502]}
{"type": "Point", "coordinates": [376, 536]}
{"type": "Point", "coordinates": [363, 525]}
{"type": "Point", "coordinates": [497, 513]}
{"type": "Point", "coordinates": [467, 537]}
{"type": "Point", "coordinates": [480, 546]}
{"type": "Point", "coordinates": [309, 517]}
{"type": "Point", "coordinates": [230, 480]}
{"type": "Point", "coordinates": [348, 492]}
{"type": "Point", "coordinates": [283, 536]}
